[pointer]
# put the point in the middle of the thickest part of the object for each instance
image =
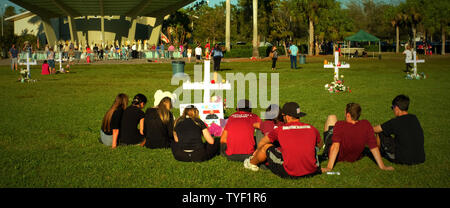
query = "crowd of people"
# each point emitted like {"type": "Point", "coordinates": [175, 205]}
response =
{"type": "Point", "coordinates": [281, 142]}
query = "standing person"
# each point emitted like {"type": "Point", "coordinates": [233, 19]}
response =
{"type": "Point", "coordinates": [274, 55]}
{"type": "Point", "coordinates": [293, 55]}
{"type": "Point", "coordinates": [408, 57]}
{"type": "Point", "coordinates": [237, 140]}
{"type": "Point", "coordinates": [158, 124]}
{"type": "Point", "coordinates": [132, 117]}
{"type": "Point", "coordinates": [349, 139]}
{"type": "Point", "coordinates": [217, 55]}
{"type": "Point", "coordinates": [198, 53]}
{"type": "Point", "coordinates": [171, 49]}
{"type": "Point", "coordinates": [153, 49]}
{"type": "Point", "coordinates": [162, 50]}
{"type": "Point", "coordinates": [181, 48]}
{"type": "Point", "coordinates": [51, 61]}
{"type": "Point", "coordinates": [88, 54]}
{"type": "Point", "coordinates": [188, 131]}
{"type": "Point", "coordinates": [189, 54]}
{"type": "Point", "coordinates": [408, 145]}
{"type": "Point", "coordinates": [13, 52]}
{"type": "Point", "coordinates": [299, 144]}
{"type": "Point", "coordinates": [207, 50]}
{"type": "Point", "coordinates": [109, 133]}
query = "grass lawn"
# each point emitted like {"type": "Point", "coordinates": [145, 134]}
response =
{"type": "Point", "coordinates": [49, 129]}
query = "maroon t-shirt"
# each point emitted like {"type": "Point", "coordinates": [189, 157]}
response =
{"type": "Point", "coordinates": [240, 133]}
{"type": "Point", "coordinates": [298, 146]}
{"type": "Point", "coordinates": [352, 139]}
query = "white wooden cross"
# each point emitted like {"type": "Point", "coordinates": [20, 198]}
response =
{"type": "Point", "coordinates": [28, 63]}
{"type": "Point", "coordinates": [206, 85]}
{"type": "Point", "coordinates": [336, 65]}
{"type": "Point", "coordinates": [415, 61]}
{"type": "Point", "coordinates": [60, 60]}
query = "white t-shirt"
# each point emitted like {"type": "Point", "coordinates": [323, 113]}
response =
{"type": "Point", "coordinates": [198, 51]}
{"type": "Point", "coordinates": [408, 54]}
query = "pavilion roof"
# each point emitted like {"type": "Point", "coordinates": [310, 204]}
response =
{"type": "Point", "coordinates": [76, 8]}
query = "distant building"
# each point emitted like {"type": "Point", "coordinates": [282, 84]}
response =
{"type": "Point", "coordinates": [94, 22]}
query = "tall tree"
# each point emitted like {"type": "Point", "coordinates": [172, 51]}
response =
{"type": "Point", "coordinates": [436, 19]}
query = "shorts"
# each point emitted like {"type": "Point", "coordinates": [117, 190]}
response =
{"type": "Point", "coordinates": [105, 139]}
{"type": "Point", "coordinates": [198, 57]}
{"type": "Point", "coordinates": [196, 154]}
{"type": "Point", "coordinates": [51, 63]}
{"type": "Point", "coordinates": [14, 61]}
{"type": "Point", "coordinates": [275, 164]}
{"type": "Point", "coordinates": [327, 141]}
{"type": "Point", "coordinates": [235, 157]}
{"type": "Point", "coordinates": [387, 147]}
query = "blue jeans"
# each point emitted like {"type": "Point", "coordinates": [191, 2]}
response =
{"type": "Point", "coordinates": [293, 62]}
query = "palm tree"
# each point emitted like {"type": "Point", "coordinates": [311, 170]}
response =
{"type": "Point", "coordinates": [413, 16]}
{"type": "Point", "coordinates": [255, 29]}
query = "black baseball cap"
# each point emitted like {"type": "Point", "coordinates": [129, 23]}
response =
{"type": "Point", "coordinates": [292, 109]}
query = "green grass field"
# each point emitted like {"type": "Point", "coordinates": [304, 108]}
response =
{"type": "Point", "coordinates": [49, 129]}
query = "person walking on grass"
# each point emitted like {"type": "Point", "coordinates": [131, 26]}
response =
{"type": "Point", "coordinates": [188, 131]}
{"type": "Point", "coordinates": [237, 140]}
{"type": "Point", "coordinates": [345, 141]}
{"type": "Point", "coordinates": [293, 50]}
{"type": "Point", "coordinates": [109, 133]}
{"type": "Point", "coordinates": [132, 117]}
{"type": "Point", "coordinates": [217, 55]}
{"type": "Point", "coordinates": [198, 53]}
{"type": "Point", "coordinates": [407, 145]}
{"type": "Point", "coordinates": [13, 52]}
{"type": "Point", "coordinates": [158, 124]}
{"type": "Point", "coordinates": [299, 144]}
{"type": "Point", "coordinates": [274, 55]}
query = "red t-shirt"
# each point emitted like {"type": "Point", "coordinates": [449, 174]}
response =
{"type": "Point", "coordinates": [298, 146]}
{"type": "Point", "coordinates": [352, 139]}
{"type": "Point", "coordinates": [240, 133]}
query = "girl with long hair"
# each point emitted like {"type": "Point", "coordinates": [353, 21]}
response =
{"type": "Point", "coordinates": [109, 132]}
{"type": "Point", "coordinates": [132, 117]}
{"type": "Point", "coordinates": [158, 125]}
{"type": "Point", "coordinates": [188, 131]}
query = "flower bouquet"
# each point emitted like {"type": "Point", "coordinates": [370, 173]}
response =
{"type": "Point", "coordinates": [420, 75]}
{"type": "Point", "coordinates": [337, 86]}
{"type": "Point", "coordinates": [23, 75]}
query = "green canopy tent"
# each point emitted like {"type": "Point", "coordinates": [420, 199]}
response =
{"type": "Point", "coordinates": [363, 36]}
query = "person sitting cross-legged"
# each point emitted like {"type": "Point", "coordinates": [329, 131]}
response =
{"type": "Point", "coordinates": [299, 145]}
{"type": "Point", "coordinates": [237, 140]}
{"type": "Point", "coordinates": [349, 138]}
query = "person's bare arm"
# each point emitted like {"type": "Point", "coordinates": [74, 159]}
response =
{"type": "Point", "coordinates": [257, 125]}
{"type": "Point", "coordinates": [175, 137]}
{"type": "Point", "coordinates": [208, 136]}
{"type": "Point", "coordinates": [377, 129]}
{"type": "Point", "coordinates": [334, 150]}
{"type": "Point", "coordinates": [376, 154]}
{"type": "Point", "coordinates": [223, 138]}
{"type": "Point", "coordinates": [115, 137]}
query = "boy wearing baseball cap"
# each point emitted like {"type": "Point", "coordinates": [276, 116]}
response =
{"type": "Point", "coordinates": [299, 145]}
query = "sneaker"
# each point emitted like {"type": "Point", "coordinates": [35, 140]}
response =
{"type": "Point", "coordinates": [250, 166]}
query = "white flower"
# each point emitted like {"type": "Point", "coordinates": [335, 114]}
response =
{"type": "Point", "coordinates": [342, 76]}
{"type": "Point", "coordinates": [326, 86]}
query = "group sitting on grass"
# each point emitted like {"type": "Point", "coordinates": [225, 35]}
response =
{"type": "Point", "coordinates": [280, 143]}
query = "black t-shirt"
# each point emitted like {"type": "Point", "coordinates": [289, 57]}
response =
{"type": "Point", "coordinates": [409, 139]}
{"type": "Point", "coordinates": [190, 134]}
{"type": "Point", "coordinates": [129, 133]}
{"type": "Point", "coordinates": [115, 123]}
{"type": "Point", "coordinates": [157, 134]}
